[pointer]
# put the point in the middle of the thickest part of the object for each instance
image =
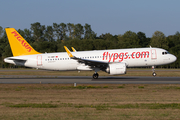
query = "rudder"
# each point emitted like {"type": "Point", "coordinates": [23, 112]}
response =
{"type": "Point", "coordinates": [19, 46]}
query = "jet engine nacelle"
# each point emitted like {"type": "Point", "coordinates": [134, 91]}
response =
{"type": "Point", "coordinates": [116, 68]}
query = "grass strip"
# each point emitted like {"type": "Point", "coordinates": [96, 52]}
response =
{"type": "Point", "coordinates": [55, 74]}
{"type": "Point", "coordinates": [100, 106]}
{"type": "Point", "coordinates": [33, 105]}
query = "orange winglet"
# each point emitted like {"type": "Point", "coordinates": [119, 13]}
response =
{"type": "Point", "coordinates": [68, 52]}
{"type": "Point", "coordinates": [73, 49]}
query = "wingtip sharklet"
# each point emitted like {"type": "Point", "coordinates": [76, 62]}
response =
{"type": "Point", "coordinates": [73, 49]}
{"type": "Point", "coordinates": [68, 52]}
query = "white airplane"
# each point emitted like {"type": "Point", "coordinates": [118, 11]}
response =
{"type": "Point", "coordinates": [113, 61]}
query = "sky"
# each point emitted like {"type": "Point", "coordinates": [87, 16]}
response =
{"type": "Point", "coordinates": [105, 16]}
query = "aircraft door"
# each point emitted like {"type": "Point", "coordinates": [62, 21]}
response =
{"type": "Point", "coordinates": [153, 54]}
{"type": "Point", "coordinates": [39, 60]}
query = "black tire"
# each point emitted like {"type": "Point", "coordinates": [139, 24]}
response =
{"type": "Point", "coordinates": [95, 76]}
{"type": "Point", "coordinates": [154, 74]}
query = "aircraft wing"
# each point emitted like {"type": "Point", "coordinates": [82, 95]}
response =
{"type": "Point", "coordinates": [91, 63]}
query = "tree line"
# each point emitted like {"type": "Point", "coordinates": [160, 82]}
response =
{"type": "Point", "coordinates": [53, 38]}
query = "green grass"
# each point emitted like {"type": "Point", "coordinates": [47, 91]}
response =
{"type": "Point", "coordinates": [89, 101]}
{"type": "Point", "coordinates": [33, 105]}
{"type": "Point", "coordinates": [120, 86]}
{"type": "Point", "coordinates": [141, 87]}
{"type": "Point", "coordinates": [98, 106]}
{"type": "Point", "coordinates": [69, 87]}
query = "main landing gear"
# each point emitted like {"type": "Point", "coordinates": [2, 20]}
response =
{"type": "Point", "coordinates": [95, 75]}
{"type": "Point", "coordinates": [154, 74]}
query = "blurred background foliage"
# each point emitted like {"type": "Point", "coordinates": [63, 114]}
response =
{"type": "Point", "coordinates": [53, 38]}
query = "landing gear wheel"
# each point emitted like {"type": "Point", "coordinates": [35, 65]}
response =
{"type": "Point", "coordinates": [95, 76]}
{"type": "Point", "coordinates": [154, 74]}
{"type": "Point", "coordinates": [153, 70]}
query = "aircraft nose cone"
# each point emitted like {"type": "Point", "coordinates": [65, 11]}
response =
{"type": "Point", "coordinates": [174, 58]}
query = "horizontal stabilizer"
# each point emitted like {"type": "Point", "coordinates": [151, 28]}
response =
{"type": "Point", "coordinates": [15, 59]}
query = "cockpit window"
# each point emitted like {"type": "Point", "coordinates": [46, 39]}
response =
{"type": "Point", "coordinates": [164, 53]}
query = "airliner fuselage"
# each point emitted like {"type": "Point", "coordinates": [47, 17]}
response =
{"type": "Point", "coordinates": [137, 57]}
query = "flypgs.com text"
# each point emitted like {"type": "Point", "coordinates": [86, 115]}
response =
{"type": "Point", "coordinates": [23, 42]}
{"type": "Point", "coordinates": [121, 56]}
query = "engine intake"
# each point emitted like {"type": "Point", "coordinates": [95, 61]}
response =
{"type": "Point", "coordinates": [116, 68]}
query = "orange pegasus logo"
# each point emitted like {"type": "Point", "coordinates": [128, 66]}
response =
{"type": "Point", "coordinates": [22, 41]}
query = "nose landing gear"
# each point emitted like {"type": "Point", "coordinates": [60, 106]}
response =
{"type": "Point", "coordinates": [154, 74]}
{"type": "Point", "coordinates": [95, 75]}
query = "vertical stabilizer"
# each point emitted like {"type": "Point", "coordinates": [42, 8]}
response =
{"type": "Point", "coordinates": [19, 46]}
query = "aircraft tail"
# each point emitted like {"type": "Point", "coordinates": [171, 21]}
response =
{"type": "Point", "coordinates": [19, 46]}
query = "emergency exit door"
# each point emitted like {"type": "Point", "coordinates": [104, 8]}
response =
{"type": "Point", "coordinates": [39, 60]}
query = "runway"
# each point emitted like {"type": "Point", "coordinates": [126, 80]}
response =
{"type": "Point", "coordinates": [87, 80]}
